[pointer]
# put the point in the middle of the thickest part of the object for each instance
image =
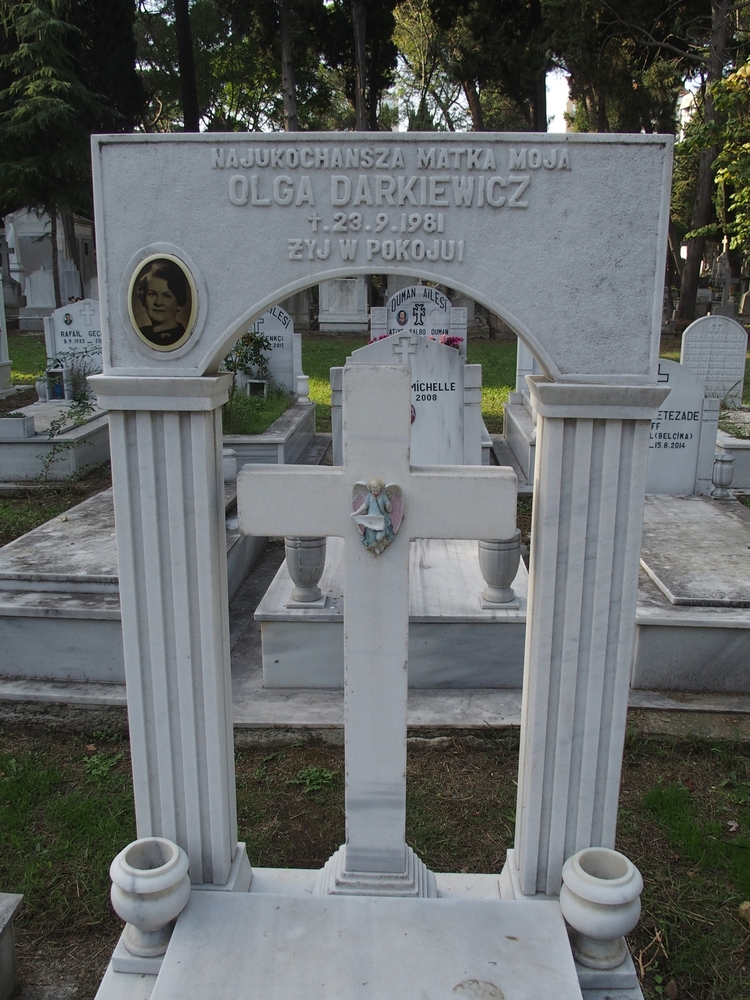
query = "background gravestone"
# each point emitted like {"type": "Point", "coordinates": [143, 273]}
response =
{"type": "Point", "coordinates": [75, 327]}
{"type": "Point", "coordinates": [421, 310]}
{"type": "Point", "coordinates": [715, 348]}
{"type": "Point", "coordinates": [342, 305]}
{"type": "Point", "coordinates": [285, 356]}
{"type": "Point", "coordinates": [683, 435]}
{"type": "Point", "coordinates": [446, 424]}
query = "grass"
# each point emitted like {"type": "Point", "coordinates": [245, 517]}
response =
{"type": "Point", "coordinates": [253, 414]}
{"type": "Point", "coordinates": [319, 355]}
{"type": "Point", "coordinates": [29, 357]}
{"type": "Point", "coordinates": [498, 360]}
{"type": "Point", "coordinates": [66, 809]}
{"type": "Point", "coordinates": [38, 504]}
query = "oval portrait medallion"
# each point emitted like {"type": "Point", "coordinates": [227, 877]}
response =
{"type": "Point", "coordinates": [163, 302]}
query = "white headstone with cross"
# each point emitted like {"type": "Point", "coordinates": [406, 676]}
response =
{"type": "Point", "coordinates": [446, 399]}
{"type": "Point", "coordinates": [75, 329]}
{"type": "Point", "coordinates": [308, 501]}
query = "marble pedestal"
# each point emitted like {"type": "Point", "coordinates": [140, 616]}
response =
{"type": "Point", "coordinates": [453, 642]}
{"type": "Point", "coordinates": [278, 941]}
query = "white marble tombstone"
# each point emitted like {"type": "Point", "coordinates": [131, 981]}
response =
{"type": "Point", "coordinates": [420, 310]}
{"type": "Point", "coordinates": [715, 348]}
{"type": "Point", "coordinates": [342, 305]}
{"type": "Point", "coordinates": [446, 399]}
{"type": "Point", "coordinates": [682, 441]}
{"type": "Point", "coordinates": [75, 327]}
{"type": "Point", "coordinates": [594, 410]}
{"type": "Point", "coordinates": [285, 355]}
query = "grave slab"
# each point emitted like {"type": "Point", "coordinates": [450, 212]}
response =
{"type": "Point", "coordinates": [453, 642]}
{"type": "Point", "coordinates": [697, 550]}
{"type": "Point", "coordinates": [341, 948]}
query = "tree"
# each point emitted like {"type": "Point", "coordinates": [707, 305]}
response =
{"type": "Point", "coordinates": [425, 86]}
{"type": "Point", "coordinates": [46, 117]}
{"type": "Point", "coordinates": [186, 62]}
{"type": "Point", "coordinates": [732, 102]}
{"type": "Point", "coordinates": [341, 30]}
{"type": "Point", "coordinates": [499, 53]}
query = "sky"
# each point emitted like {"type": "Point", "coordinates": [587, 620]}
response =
{"type": "Point", "coordinates": [557, 97]}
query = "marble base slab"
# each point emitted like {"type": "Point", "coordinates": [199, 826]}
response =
{"type": "Point", "coordinates": [697, 550]}
{"type": "Point", "coordinates": [453, 641]}
{"type": "Point", "coordinates": [344, 948]}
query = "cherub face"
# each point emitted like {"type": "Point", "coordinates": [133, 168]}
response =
{"type": "Point", "coordinates": [375, 487]}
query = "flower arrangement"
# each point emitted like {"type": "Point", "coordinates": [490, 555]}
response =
{"type": "Point", "coordinates": [449, 341]}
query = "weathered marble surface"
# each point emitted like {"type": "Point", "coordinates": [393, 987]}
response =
{"type": "Point", "coordinates": [342, 948]}
{"type": "Point", "coordinates": [697, 550]}
{"type": "Point", "coordinates": [453, 642]}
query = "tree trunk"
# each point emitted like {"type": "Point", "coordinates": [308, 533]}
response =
{"type": "Point", "coordinates": [55, 257]}
{"type": "Point", "coordinates": [601, 113]}
{"type": "Point", "coordinates": [186, 63]}
{"type": "Point", "coordinates": [475, 105]}
{"type": "Point", "coordinates": [705, 184]}
{"type": "Point", "coordinates": [359, 15]}
{"type": "Point", "coordinates": [539, 104]}
{"type": "Point", "coordinates": [674, 246]}
{"type": "Point", "coordinates": [288, 78]}
{"type": "Point", "coordinates": [71, 245]}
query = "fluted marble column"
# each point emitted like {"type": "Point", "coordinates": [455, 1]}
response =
{"type": "Point", "coordinates": [592, 447]}
{"type": "Point", "coordinates": [167, 472]}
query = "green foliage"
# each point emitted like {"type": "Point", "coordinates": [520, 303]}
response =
{"type": "Point", "coordinates": [17, 516]}
{"type": "Point", "coordinates": [732, 99]}
{"type": "Point", "coordinates": [313, 779]}
{"type": "Point", "coordinates": [29, 358]}
{"type": "Point", "coordinates": [244, 414]}
{"type": "Point", "coordinates": [249, 355]}
{"type": "Point", "coordinates": [58, 835]}
{"type": "Point", "coordinates": [48, 108]}
{"type": "Point", "coordinates": [238, 67]}
{"type": "Point", "coordinates": [381, 53]}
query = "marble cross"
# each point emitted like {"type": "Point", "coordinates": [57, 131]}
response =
{"type": "Point", "coordinates": [440, 502]}
{"type": "Point", "coordinates": [407, 345]}
{"type": "Point", "coordinates": [87, 313]}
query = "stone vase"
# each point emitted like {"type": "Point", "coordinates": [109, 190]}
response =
{"type": "Point", "coordinates": [305, 560]}
{"type": "Point", "coordinates": [150, 888]}
{"type": "Point", "coordinates": [303, 388]}
{"type": "Point", "coordinates": [723, 474]}
{"type": "Point", "coordinates": [601, 901]}
{"type": "Point", "coordinates": [230, 465]}
{"type": "Point", "coordinates": [498, 561]}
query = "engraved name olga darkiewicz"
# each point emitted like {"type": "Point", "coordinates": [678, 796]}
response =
{"type": "Point", "coordinates": [163, 302]}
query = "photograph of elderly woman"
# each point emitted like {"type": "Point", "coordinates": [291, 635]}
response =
{"type": "Point", "coordinates": [162, 303]}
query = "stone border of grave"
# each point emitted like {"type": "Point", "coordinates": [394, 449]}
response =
{"type": "Point", "coordinates": [282, 443]}
{"type": "Point", "coordinates": [10, 904]}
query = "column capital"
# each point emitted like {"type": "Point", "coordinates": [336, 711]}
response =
{"type": "Point", "coordinates": [595, 401]}
{"type": "Point", "coordinates": [137, 392]}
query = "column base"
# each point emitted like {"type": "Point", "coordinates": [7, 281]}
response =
{"type": "Point", "coordinates": [416, 881]}
{"type": "Point", "coordinates": [240, 874]}
{"type": "Point", "coordinates": [510, 881]}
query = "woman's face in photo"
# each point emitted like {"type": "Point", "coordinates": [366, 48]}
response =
{"type": "Point", "coordinates": [161, 305]}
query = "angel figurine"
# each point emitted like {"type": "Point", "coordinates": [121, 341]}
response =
{"type": "Point", "coordinates": [377, 510]}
